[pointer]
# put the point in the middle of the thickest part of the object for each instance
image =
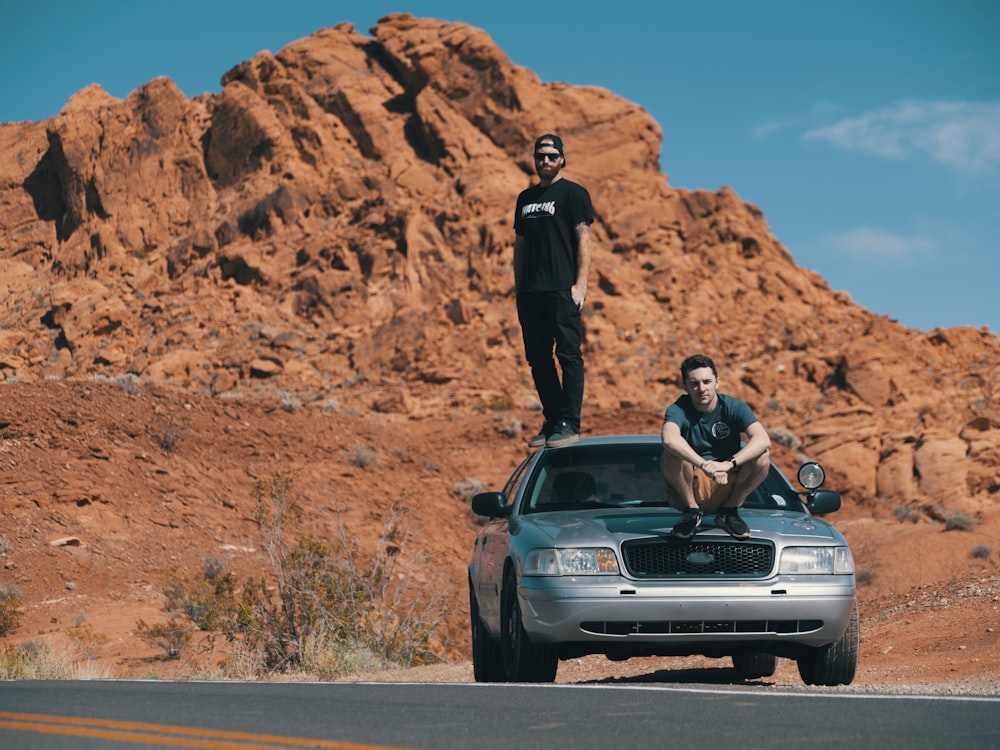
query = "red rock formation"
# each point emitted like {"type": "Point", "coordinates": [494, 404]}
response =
{"type": "Point", "coordinates": [336, 224]}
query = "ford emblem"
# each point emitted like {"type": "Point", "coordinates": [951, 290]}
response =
{"type": "Point", "coordinates": [700, 557]}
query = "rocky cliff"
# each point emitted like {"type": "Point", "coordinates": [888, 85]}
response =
{"type": "Point", "coordinates": [334, 228]}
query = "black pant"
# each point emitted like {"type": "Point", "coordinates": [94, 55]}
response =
{"type": "Point", "coordinates": [552, 319]}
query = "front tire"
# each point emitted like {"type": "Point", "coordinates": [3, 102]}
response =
{"type": "Point", "coordinates": [523, 661]}
{"type": "Point", "coordinates": [487, 659]}
{"type": "Point", "coordinates": [752, 665]}
{"type": "Point", "coordinates": [835, 663]}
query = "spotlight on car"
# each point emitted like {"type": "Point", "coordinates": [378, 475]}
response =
{"type": "Point", "coordinates": [811, 475]}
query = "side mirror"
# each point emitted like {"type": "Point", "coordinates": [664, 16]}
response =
{"type": "Point", "coordinates": [820, 502]}
{"type": "Point", "coordinates": [490, 504]}
{"type": "Point", "coordinates": [812, 476]}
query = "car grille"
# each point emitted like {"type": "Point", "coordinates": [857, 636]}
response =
{"type": "Point", "coordinates": [657, 558]}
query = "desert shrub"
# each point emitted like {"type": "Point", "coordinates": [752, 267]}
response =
{"type": "Point", "coordinates": [906, 514]}
{"type": "Point", "coordinates": [323, 611]}
{"type": "Point", "coordinates": [213, 567]}
{"type": "Point", "coordinates": [502, 402]}
{"type": "Point", "coordinates": [126, 383]}
{"type": "Point", "coordinates": [170, 434]}
{"type": "Point", "coordinates": [325, 589]}
{"type": "Point", "coordinates": [468, 487]}
{"type": "Point", "coordinates": [362, 456]}
{"type": "Point", "coordinates": [32, 660]}
{"type": "Point", "coordinates": [209, 601]}
{"type": "Point", "coordinates": [512, 427]}
{"type": "Point", "coordinates": [242, 662]}
{"type": "Point", "coordinates": [10, 610]}
{"type": "Point", "coordinates": [960, 522]}
{"type": "Point", "coordinates": [290, 402]}
{"type": "Point", "coordinates": [785, 437]}
{"type": "Point", "coordinates": [864, 576]}
{"type": "Point", "coordinates": [982, 552]}
{"type": "Point", "coordinates": [88, 641]}
{"type": "Point", "coordinates": [327, 658]}
{"type": "Point", "coordinates": [171, 636]}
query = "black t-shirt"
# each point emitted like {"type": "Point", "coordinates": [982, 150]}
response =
{"type": "Point", "coordinates": [546, 216]}
{"type": "Point", "coordinates": [715, 434]}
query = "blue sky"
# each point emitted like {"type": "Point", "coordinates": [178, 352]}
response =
{"type": "Point", "coordinates": [867, 132]}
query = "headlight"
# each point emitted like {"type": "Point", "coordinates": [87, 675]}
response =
{"type": "Point", "coordinates": [595, 561]}
{"type": "Point", "coordinates": [816, 561]}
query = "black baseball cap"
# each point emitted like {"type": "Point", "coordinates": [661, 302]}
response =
{"type": "Point", "coordinates": [552, 141]}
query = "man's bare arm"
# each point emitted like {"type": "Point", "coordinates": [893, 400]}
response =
{"type": "Point", "coordinates": [584, 251]}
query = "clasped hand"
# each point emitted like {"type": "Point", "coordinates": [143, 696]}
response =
{"type": "Point", "coordinates": [718, 472]}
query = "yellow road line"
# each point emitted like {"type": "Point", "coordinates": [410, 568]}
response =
{"type": "Point", "coordinates": [165, 734]}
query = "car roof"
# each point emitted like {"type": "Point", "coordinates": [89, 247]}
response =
{"type": "Point", "coordinates": [604, 440]}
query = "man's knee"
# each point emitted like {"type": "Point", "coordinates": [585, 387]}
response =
{"type": "Point", "coordinates": [671, 465]}
{"type": "Point", "coordinates": [753, 472]}
{"type": "Point", "coordinates": [762, 464]}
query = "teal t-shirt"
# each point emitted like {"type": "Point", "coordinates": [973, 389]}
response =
{"type": "Point", "coordinates": [714, 435]}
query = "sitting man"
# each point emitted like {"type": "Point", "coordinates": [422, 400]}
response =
{"type": "Point", "coordinates": [704, 465]}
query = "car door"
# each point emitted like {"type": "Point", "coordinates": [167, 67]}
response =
{"type": "Point", "coordinates": [490, 554]}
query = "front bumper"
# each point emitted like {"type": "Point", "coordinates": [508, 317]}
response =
{"type": "Point", "coordinates": [805, 610]}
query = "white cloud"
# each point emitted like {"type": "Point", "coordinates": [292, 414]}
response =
{"type": "Point", "coordinates": [964, 136]}
{"type": "Point", "coordinates": [876, 244]}
{"type": "Point", "coordinates": [819, 112]}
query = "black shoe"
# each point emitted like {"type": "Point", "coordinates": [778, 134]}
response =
{"type": "Point", "coordinates": [542, 437]}
{"type": "Point", "coordinates": [728, 519]}
{"type": "Point", "coordinates": [685, 528]}
{"type": "Point", "coordinates": [563, 435]}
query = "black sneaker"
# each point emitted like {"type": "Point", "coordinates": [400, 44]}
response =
{"type": "Point", "coordinates": [728, 519]}
{"type": "Point", "coordinates": [541, 438]}
{"type": "Point", "coordinates": [685, 528]}
{"type": "Point", "coordinates": [562, 435]}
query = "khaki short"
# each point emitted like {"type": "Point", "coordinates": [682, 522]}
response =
{"type": "Point", "coordinates": [709, 495]}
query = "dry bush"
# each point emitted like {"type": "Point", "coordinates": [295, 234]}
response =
{"type": "Point", "coordinates": [171, 432]}
{"type": "Point", "coordinates": [32, 660]}
{"type": "Point", "coordinates": [326, 610]}
{"type": "Point", "coordinates": [88, 642]}
{"type": "Point", "coordinates": [982, 552]}
{"type": "Point", "coordinates": [960, 522]}
{"type": "Point", "coordinates": [468, 487]}
{"type": "Point", "coordinates": [907, 514]}
{"type": "Point", "coordinates": [171, 636]}
{"type": "Point", "coordinates": [362, 456]}
{"type": "Point", "coordinates": [10, 610]}
{"type": "Point", "coordinates": [865, 576]}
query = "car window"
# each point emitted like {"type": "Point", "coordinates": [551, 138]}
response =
{"type": "Point", "coordinates": [623, 475]}
{"type": "Point", "coordinates": [775, 493]}
{"type": "Point", "coordinates": [597, 476]}
{"type": "Point", "coordinates": [510, 488]}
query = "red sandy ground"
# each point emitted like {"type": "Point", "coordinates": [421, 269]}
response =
{"type": "Point", "coordinates": [93, 510]}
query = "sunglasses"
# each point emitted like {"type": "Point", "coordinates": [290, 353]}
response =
{"type": "Point", "coordinates": [540, 156]}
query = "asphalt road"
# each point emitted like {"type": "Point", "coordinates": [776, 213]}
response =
{"type": "Point", "coordinates": [44, 715]}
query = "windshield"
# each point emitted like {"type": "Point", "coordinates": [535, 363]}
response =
{"type": "Point", "coordinates": [623, 475]}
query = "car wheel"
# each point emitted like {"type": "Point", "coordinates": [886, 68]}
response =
{"type": "Point", "coordinates": [750, 665]}
{"type": "Point", "coordinates": [487, 661]}
{"type": "Point", "coordinates": [836, 663]}
{"type": "Point", "coordinates": [523, 661]}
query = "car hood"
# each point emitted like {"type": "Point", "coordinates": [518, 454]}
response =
{"type": "Point", "coordinates": [596, 527]}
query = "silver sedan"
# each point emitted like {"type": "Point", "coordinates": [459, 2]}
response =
{"type": "Point", "coordinates": [576, 558]}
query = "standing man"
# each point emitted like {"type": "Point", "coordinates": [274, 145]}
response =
{"type": "Point", "coordinates": [705, 464]}
{"type": "Point", "coordinates": [552, 250]}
